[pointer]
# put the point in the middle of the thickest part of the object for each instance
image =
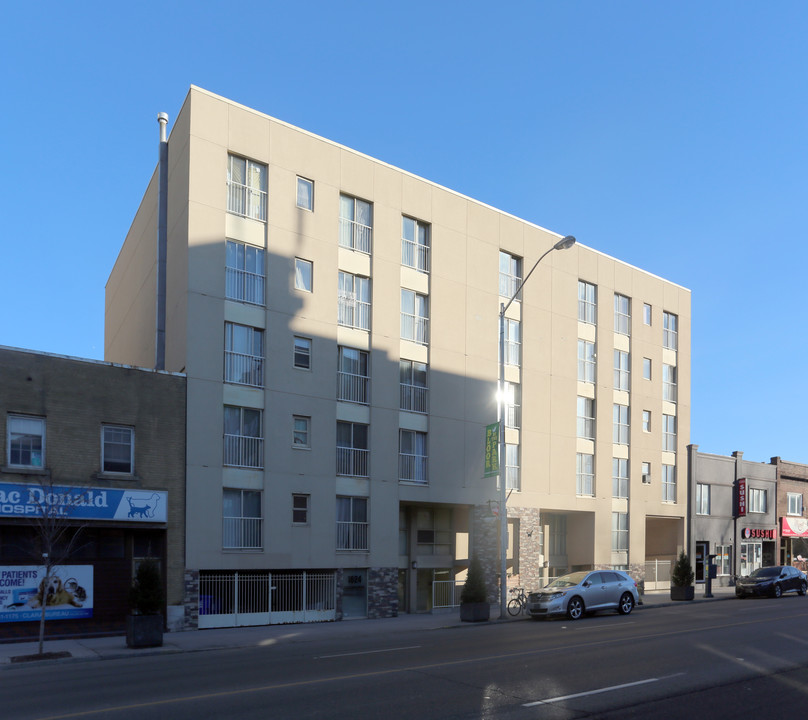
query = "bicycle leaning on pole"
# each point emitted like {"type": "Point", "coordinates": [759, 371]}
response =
{"type": "Point", "coordinates": [518, 603]}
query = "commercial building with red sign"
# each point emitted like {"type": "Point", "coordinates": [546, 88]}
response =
{"type": "Point", "coordinates": [792, 497]}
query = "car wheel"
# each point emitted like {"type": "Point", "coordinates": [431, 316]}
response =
{"type": "Point", "coordinates": [626, 604]}
{"type": "Point", "coordinates": [777, 591]}
{"type": "Point", "coordinates": [575, 608]}
{"type": "Point", "coordinates": [803, 588]}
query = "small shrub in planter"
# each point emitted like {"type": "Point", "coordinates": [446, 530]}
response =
{"type": "Point", "coordinates": [144, 627]}
{"type": "Point", "coordinates": [474, 605]}
{"type": "Point", "coordinates": [682, 577]}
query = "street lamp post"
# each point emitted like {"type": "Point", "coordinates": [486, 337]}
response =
{"type": "Point", "coordinates": [563, 244]}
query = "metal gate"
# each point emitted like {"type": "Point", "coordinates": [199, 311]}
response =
{"type": "Point", "coordinates": [236, 598]}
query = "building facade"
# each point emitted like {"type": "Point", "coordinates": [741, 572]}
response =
{"type": "Point", "coordinates": [93, 465]}
{"type": "Point", "coordinates": [792, 496]}
{"type": "Point", "coordinates": [337, 319]}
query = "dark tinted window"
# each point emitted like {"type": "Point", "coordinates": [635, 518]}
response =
{"type": "Point", "coordinates": [768, 572]}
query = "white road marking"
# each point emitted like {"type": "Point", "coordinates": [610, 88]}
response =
{"type": "Point", "coordinates": [598, 691]}
{"type": "Point", "coordinates": [367, 652]}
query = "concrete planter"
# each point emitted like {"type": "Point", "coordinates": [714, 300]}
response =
{"type": "Point", "coordinates": [687, 592]}
{"type": "Point", "coordinates": [475, 612]}
{"type": "Point", "coordinates": [144, 631]}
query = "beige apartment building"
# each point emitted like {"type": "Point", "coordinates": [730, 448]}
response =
{"type": "Point", "coordinates": [338, 322]}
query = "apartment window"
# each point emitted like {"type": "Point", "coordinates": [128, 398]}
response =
{"type": "Point", "coordinates": [646, 421]}
{"type": "Point", "coordinates": [669, 433]}
{"type": "Point", "coordinates": [619, 477]}
{"type": "Point", "coordinates": [304, 275]}
{"type": "Point", "coordinates": [245, 273]}
{"type": "Point", "coordinates": [512, 475]}
{"type": "Point", "coordinates": [117, 449]}
{"type": "Point", "coordinates": [619, 532]}
{"type": "Point", "coordinates": [646, 368]}
{"type": "Point", "coordinates": [412, 456]}
{"type": "Point", "coordinates": [646, 473]}
{"type": "Point", "coordinates": [757, 500]}
{"type": "Point", "coordinates": [355, 224]}
{"type": "Point", "coordinates": [512, 341]}
{"type": "Point", "coordinates": [352, 375]}
{"type": "Point", "coordinates": [670, 331]}
{"type": "Point", "coordinates": [586, 361]}
{"type": "Point", "coordinates": [587, 302]}
{"type": "Point", "coordinates": [433, 531]}
{"type": "Point", "coordinates": [352, 449]}
{"type": "Point", "coordinates": [622, 314]}
{"type": "Point", "coordinates": [586, 418]}
{"type": "Point", "coordinates": [354, 301]}
{"type": "Point", "coordinates": [795, 503]}
{"type": "Point", "coordinates": [241, 520]}
{"type": "Point", "coordinates": [243, 355]}
{"type": "Point", "coordinates": [646, 314]}
{"type": "Point", "coordinates": [352, 523]}
{"type": "Point", "coordinates": [243, 437]}
{"type": "Point", "coordinates": [414, 317]}
{"type": "Point", "coordinates": [669, 383]}
{"type": "Point", "coordinates": [412, 386]}
{"type": "Point", "coordinates": [26, 441]}
{"type": "Point", "coordinates": [300, 509]}
{"type": "Point", "coordinates": [585, 474]}
{"type": "Point", "coordinates": [302, 353]}
{"type": "Point", "coordinates": [510, 274]}
{"type": "Point", "coordinates": [620, 430]}
{"type": "Point", "coordinates": [415, 244]}
{"type": "Point", "coordinates": [702, 499]}
{"type": "Point", "coordinates": [513, 405]}
{"type": "Point", "coordinates": [669, 483]}
{"type": "Point", "coordinates": [246, 188]}
{"type": "Point", "coordinates": [621, 370]}
{"type": "Point", "coordinates": [301, 433]}
{"type": "Point", "coordinates": [305, 193]}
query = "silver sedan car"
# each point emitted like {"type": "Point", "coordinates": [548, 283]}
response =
{"type": "Point", "coordinates": [580, 592]}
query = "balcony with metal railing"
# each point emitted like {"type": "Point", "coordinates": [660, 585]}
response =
{"type": "Point", "coordinates": [413, 468]}
{"type": "Point", "coordinates": [413, 398]}
{"type": "Point", "coordinates": [352, 387]}
{"type": "Point", "coordinates": [352, 462]}
{"type": "Point", "coordinates": [415, 255]}
{"type": "Point", "coordinates": [246, 201]}
{"type": "Point", "coordinates": [245, 286]}
{"type": "Point", "coordinates": [243, 451]}
{"type": "Point", "coordinates": [414, 328]}
{"type": "Point", "coordinates": [355, 235]}
{"type": "Point", "coordinates": [352, 536]}
{"type": "Point", "coordinates": [240, 533]}
{"type": "Point", "coordinates": [243, 369]}
{"type": "Point", "coordinates": [352, 312]}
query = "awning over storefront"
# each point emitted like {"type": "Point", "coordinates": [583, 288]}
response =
{"type": "Point", "coordinates": [794, 527]}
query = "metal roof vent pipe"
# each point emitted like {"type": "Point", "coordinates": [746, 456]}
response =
{"type": "Point", "coordinates": [162, 245]}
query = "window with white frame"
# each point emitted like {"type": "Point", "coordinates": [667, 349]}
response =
{"type": "Point", "coordinates": [117, 449]}
{"type": "Point", "coordinates": [245, 273]}
{"type": "Point", "coordinates": [352, 449]}
{"type": "Point", "coordinates": [586, 361]}
{"type": "Point", "coordinates": [305, 193]}
{"type": "Point", "coordinates": [646, 314]}
{"type": "Point", "coordinates": [669, 483]}
{"type": "Point", "coordinates": [242, 522]}
{"type": "Point", "coordinates": [302, 353]}
{"type": "Point", "coordinates": [25, 440]}
{"type": "Point", "coordinates": [510, 274]}
{"type": "Point", "coordinates": [352, 523]}
{"type": "Point", "coordinates": [646, 368]}
{"type": "Point", "coordinates": [669, 433]}
{"type": "Point", "coordinates": [412, 456]}
{"type": "Point", "coordinates": [415, 244]}
{"type": "Point", "coordinates": [670, 331]}
{"type": "Point", "coordinates": [702, 499]}
{"type": "Point", "coordinates": [620, 430]}
{"type": "Point", "coordinates": [513, 333]}
{"type": "Point", "coordinates": [300, 508]}
{"type": "Point", "coordinates": [646, 421]}
{"type": "Point", "coordinates": [512, 474]}
{"type": "Point", "coordinates": [246, 188]}
{"type": "Point", "coordinates": [622, 314]}
{"type": "Point", "coordinates": [723, 559]}
{"type": "Point", "coordinates": [243, 355]}
{"type": "Point", "coordinates": [587, 302]}
{"type": "Point", "coordinates": [621, 370]}
{"type": "Point", "coordinates": [584, 474]}
{"type": "Point", "coordinates": [620, 477]}
{"type": "Point", "coordinates": [304, 275]}
{"type": "Point", "coordinates": [586, 418]}
{"type": "Point", "coordinates": [795, 503]}
{"type": "Point", "coordinates": [355, 224]}
{"type": "Point", "coordinates": [513, 405]}
{"type": "Point", "coordinates": [243, 437]}
{"type": "Point", "coordinates": [413, 392]}
{"type": "Point", "coordinates": [301, 432]}
{"type": "Point", "coordinates": [414, 317]}
{"type": "Point", "coordinates": [669, 383]}
{"type": "Point", "coordinates": [353, 376]}
{"type": "Point", "coordinates": [353, 297]}
{"type": "Point", "coordinates": [758, 500]}
{"type": "Point", "coordinates": [646, 473]}
{"type": "Point", "coordinates": [619, 532]}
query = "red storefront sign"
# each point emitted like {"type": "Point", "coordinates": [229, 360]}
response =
{"type": "Point", "coordinates": [741, 496]}
{"type": "Point", "coordinates": [794, 527]}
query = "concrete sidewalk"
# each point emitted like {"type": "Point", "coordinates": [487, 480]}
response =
{"type": "Point", "coordinates": [96, 648]}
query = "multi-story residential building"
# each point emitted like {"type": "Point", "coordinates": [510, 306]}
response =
{"type": "Point", "coordinates": [792, 497]}
{"type": "Point", "coordinates": [93, 466]}
{"type": "Point", "coordinates": [337, 319]}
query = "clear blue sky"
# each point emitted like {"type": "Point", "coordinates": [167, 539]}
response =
{"type": "Point", "coordinates": [669, 135]}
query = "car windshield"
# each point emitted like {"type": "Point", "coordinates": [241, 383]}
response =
{"type": "Point", "coordinates": [568, 580]}
{"type": "Point", "coordinates": [768, 572]}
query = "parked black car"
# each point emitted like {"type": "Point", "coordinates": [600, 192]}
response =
{"type": "Point", "coordinates": [771, 581]}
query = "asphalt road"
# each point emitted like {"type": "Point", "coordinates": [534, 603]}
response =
{"type": "Point", "coordinates": [717, 660]}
